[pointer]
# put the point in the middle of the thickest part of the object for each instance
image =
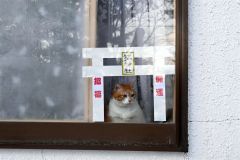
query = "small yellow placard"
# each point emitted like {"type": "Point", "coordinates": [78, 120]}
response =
{"type": "Point", "coordinates": [128, 65]}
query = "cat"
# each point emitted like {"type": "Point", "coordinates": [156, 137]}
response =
{"type": "Point", "coordinates": [123, 106]}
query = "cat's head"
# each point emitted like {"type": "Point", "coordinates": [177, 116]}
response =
{"type": "Point", "coordinates": [124, 94]}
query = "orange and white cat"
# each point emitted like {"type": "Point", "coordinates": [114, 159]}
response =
{"type": "Point", "coordinates": [123, 106]}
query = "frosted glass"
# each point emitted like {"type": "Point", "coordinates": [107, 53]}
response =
{"type": "Point", "coordinates": [40, 60]}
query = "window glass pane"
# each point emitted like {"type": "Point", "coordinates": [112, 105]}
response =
{"type": "Point", "coordinates": [91, 60]}
{"type": "Point", "coordinates": [40, 69]}
{"type": "Point", "coordinates": [150, 26]}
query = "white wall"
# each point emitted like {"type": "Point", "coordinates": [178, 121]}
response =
{"type": "Point", "coordinates": [214, 92]}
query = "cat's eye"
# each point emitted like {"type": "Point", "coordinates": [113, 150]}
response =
{"type": "Point", "coordinates": [65, 64]}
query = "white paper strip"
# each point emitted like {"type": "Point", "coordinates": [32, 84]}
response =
{"type": "Point", "coordinates": [90, 71]}
{"type": "Point", "coordinates": [98, 99]}
{"type": "Point", "coordinates": [159, 98]}
{"type": "Point", "coordinates": [139, 52]}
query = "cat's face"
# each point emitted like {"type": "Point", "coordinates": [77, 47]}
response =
{"type": "Point", "coordinates": [124, 94]}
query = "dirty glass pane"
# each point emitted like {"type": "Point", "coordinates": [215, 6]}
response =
{"type": "Point", "coordinates": [42, 61]}
{"type": "Point", "coordinates": [40, 44]}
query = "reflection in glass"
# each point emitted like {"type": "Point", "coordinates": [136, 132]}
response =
{"type": "Point", "coordinates": [137, 24]}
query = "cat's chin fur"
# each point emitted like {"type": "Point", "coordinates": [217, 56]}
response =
{"type": "Point", "coordinates": [125, 113]}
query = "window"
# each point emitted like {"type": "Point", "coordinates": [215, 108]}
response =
{"type": "Point", "coordinates": [94, 74]}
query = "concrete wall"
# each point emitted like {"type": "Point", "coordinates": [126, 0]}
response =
{"type": "Point", "coordinates": [214, 92]}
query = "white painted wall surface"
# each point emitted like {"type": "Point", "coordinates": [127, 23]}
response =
{"type": "Point", "coordinates": [214, 92]}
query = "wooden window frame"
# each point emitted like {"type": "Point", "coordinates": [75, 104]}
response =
{"type": "Point", "coordinates": [108, 136]}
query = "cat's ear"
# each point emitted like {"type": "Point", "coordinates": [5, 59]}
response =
{"type": "Point", "coordinates": [132, 84]}
{"type": "Point", "coordinates": [117, 87]}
